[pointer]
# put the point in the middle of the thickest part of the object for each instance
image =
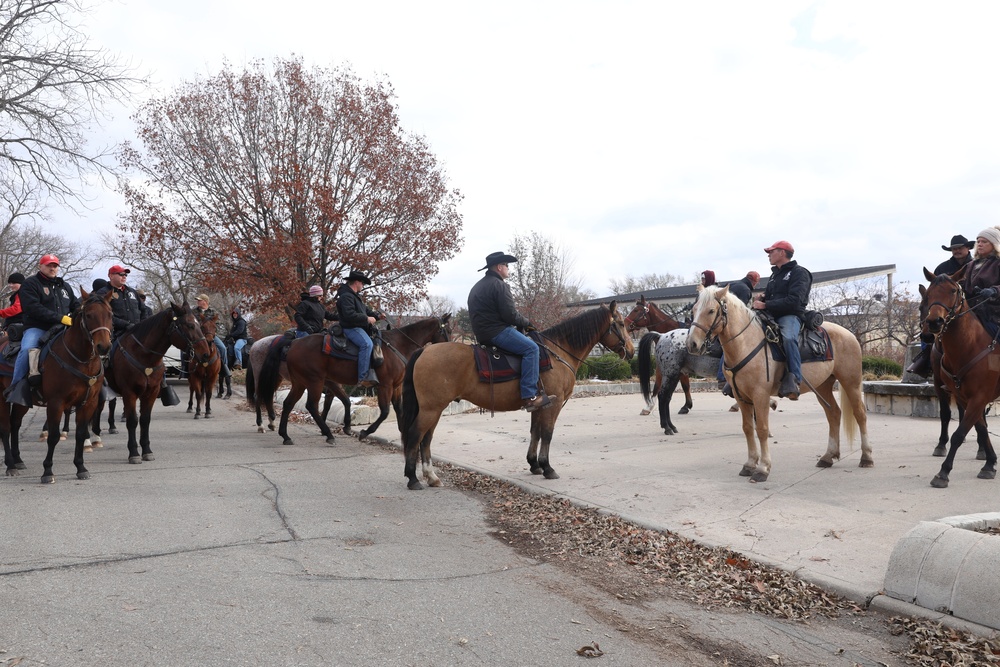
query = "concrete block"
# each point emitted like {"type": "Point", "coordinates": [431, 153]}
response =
{"type": "Point", "coordinates": [903, 573]}
{"type": "Point", "coordinates": [943, 562]}
{"type": "Point", "coordinates": [977, 587]}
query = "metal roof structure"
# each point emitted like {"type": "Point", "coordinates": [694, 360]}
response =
{"type": "Point", "coordinates": [680, 295]}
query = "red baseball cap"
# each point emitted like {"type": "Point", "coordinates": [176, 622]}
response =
{"type": "Point", "coordinates": [118, 268]}
{"type": "Point", "coordinates": [784, 245]}
{"type": "Point", "coordinates": [48, 259]}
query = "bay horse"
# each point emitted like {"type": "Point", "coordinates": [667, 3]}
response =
{"type": "Point", "coordinates": [673, 362]}
{"type": "Point", "coordinates": [647, 315]}
{"type": "Point", "coordinates": [72, 377]}
{"type": "Point", "coordinates": [755, 375]}
{"type": "Point", "coordinates": [309, 369]}
{"type": "Point", "coordinates": [255, 355]}
{"type": "Point", "coordinates": [967, 367]}
{"type": "Point", "coordinates": [202, 374]}
{"type": "Point", "coordinates": [136, 368]}
{"type": "Point", "coordinates": [440, 374]}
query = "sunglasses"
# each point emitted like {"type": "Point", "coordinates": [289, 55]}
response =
{"type": "Point", "coordinates": [121, 274]}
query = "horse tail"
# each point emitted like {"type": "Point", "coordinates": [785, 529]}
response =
{"type": "Point", "coordinates": [646, 362]}
{"type": "Point", "coordinates": [411, 407]}
{"type": "Point", "coordinates": [251, 382]}
{"type": "Point", "coordinates": [270, 373]}
{"type": "Point", "coordinates": [848, 420]}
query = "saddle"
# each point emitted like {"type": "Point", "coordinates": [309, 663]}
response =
{"type": "Point", "coordinates": [336, 344]}
{"type": "Point", "coordinates": [814, 341]}
{"type": "Point", "coordinates": [496, 365]}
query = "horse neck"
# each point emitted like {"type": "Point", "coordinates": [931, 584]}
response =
{"type": "Point", "coordinates": [408, 339]}
{"type": "Point", "coordinates": [578, 353]}
{"type": "Point", "coordinates": [965, 334]}
{"type": "Point", "coordinates": [662, 323]}
{"type": "Point", "coordinates": [742, 333]}
{"type": "Point", "coordinates": [159, 337]}
{"type": "Point", "coordinates": [78, 342]}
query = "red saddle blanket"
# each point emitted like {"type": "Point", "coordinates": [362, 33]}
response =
{"type": "Point", "coordinates": [496, 365]}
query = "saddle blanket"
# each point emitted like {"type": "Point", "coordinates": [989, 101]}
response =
{"type": "Point", "coordinates": [496, 365]}
{"type": "Point", "coordinates": [814, 345]}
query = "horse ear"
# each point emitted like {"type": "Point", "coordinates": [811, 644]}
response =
{"type": "Point", "coordinates": [722, 293]}
{"type": "Point", "coordinates": [613, 306]}
{"type": "Point", "coordinates": [930, 276]}
{"type": "Point", "coordinates": [922, 290]}
{"type": "Point", "coordinates": [642, 299]}
{"type": "Point", "coordinates": [958, 275]}
{"type": "Point", "coordinates": [701, 288]}
{"type": "Point", "coordinates": [83, 293]}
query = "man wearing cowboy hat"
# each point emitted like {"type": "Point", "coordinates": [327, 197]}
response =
{"type": "Point", "coordinates": [357, 319]}
{"type": "Point", "coordinates": [494, 318]}
{"type": "Point", "coordinates": [960, 255]}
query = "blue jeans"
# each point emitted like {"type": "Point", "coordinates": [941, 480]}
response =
{"type": "Point", "coordinates": [238, 348]}
{"type": "Point", "coordinates": [29, 341]}
{"type": "Point", "coordinates": [515, 342]}
{"type": "Point", "coordinates": [223, 356]}
{"type": "Point", "coordinates": [361, 338]}
{"type": "Point", "coordinates": [299, 333]}
{"type": "Point", "coordinates": [790, 326]}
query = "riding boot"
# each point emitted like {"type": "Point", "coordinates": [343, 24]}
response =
{"type": "Point", "coordinates": [219, 394]}
{"type": "Point", "coordinates": [921, 364]}
{"type": "Point", "coordinates": [727, 390]}
{"type": "Point", "coordinates": [229, 388]}
{"type": "Point", "coordinates": [789, 388]}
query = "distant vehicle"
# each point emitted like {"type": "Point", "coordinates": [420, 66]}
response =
{"type": "Point", "coordinates": [172, 362]}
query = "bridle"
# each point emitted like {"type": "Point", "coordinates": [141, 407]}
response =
{"type": "Point", "coordinates": [951, 312]}
{"type": "Point", "coordinates": [632, 325]}
{"type": "Point", "coordinates": [90, 379]}
{"type": "Point", "coordinates": [90, 337]}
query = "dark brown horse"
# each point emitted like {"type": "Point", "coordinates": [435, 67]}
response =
{"type": "Point", "coordinates": [309, 369]}
{"type": "Point", "coordinates": [202, 374]}
{"type": "Point", "coordinates": [440, 374]}
{"type": "Point", "coordinates": [136, 368]}
{"type": "Point", "coordinates": [647, 315]}
{"type": "Point", "coordinates": [72, 376]}
{"type": "Point", "coordinates": [967, 366]}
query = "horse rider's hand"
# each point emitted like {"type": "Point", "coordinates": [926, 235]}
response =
{"type": "Point", "coordinates": [988, 293]}
{"type": "Point", "coordinates": [530, 327]}
{"type": "Point", "coordinates": [67, 320]}
{"type": "Point", "coordinates": [371, 320]}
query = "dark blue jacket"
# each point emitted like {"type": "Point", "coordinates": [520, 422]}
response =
{"type": "Point", "coordinates": [353, 312]}
{"type": "Point", "coordinates": [491, 308]}
{"type": "Point", "coordinates": [787, 292]}
{"type": "Point", "coordinates": [44, 301]}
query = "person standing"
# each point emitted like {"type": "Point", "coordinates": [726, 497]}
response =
{"type": "Point", "coordinates": [495, 321]}
{"type": "Point", "coordinates": [310, 313]}
{"type": "Point", "coordinates": [785, 299]}
{"type": "Point", "coordinates": [46, 300]}
{"type": "Point", "coordinates": [959, 248]}
{"type": "Point", "coordinates": [357, 319]}
{"type": "Point", "coordinates": [12, 313]}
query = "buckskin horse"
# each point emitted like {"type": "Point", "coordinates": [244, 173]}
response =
{"type": "Point", "coordinates": [310, 368]}
{"type": "Point", "coordinates": [647, 315]}
{"type": "Point", "coordinates": [72, 376]}
{"type": "Point", "coordinates": [755, 374]}
{"type": "Point", "coordinates": [135, 369]}
{"type": "Point", "coordinates": [967, 366]}
{"type": "Point", "coordinates": [440, 374]}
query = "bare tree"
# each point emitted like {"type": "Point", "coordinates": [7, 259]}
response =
{"type": "Point", "coordinates": [23, 245]}
{"type": "Point", "coordinates": [649, 281]}
{"type": "Point", "coordinates": [541, 281]}
{"type": "Point", "coordinates": [882, 324]}
{"type": "Point", "coordinates": [53, 82]}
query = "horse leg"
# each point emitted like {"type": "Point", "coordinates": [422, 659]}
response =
{"type": "Point", "coordinates": [666, 393]}
{"type": "Point", "coordinates": [384, 397]}
{"type": "Point", "coordinates": [541, 432]}
{"type": "Point", "coordinates": [260, 421]}
{"type": "Point", "coordinates": [824, 393]}
{"type": "Point", "coordinates": [851, 395]}
{"type": "Point", "coordinates": [688, 403]}
{"type": "Point", "coordinates": [16, 418]}
{"type": "Point", "coordinates": [312, 406]}
{"type": "Point", "coordinates": [65, 429]}
{"type": "Point", "coordinates": [145, 415]}
{"type": "Point", "coordinates": [294, 394]}
{"type": "Point", "coordinates": [417, 443]}
{"type": "Point", "coordinates": [95, 425]}
{"type": "Point", "coordinates": [82, 433]}
{"type": "Point", "coordinates": [208, 400]}
{"type": "Point", "coordinates": [983, 440]}
{"type": "Point", "coordinates": [944, 414]}
{"type": "Point", "coordinates": [112, 404]}
{"type": "Point", "coordinates": [53, 419]}
{"type": "Point", "coordinates": [131, 423]}
{"type": "Point", "coordinates": [760, 407]}
{"type": "Point", "coordinates": [974, 412]}
{"type": "Point", "coordinates": [427, 466]}
{"type": "Point", "coordinates": [747, 413]}
{"type": "Point", "coordinates": [190, 407]}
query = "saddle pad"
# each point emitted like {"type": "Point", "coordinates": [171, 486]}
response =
{"type": "Point", "coordinates": [496, 365]}
{"type": "Point", "coordinates": [339, 347]}
{"type": "Point", "coordinates": [814, 345]}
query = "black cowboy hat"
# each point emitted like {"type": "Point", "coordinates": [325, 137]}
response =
{"type": "Point", "coordinates": [357, 275]}
{"type": "Point", "coordinates": [495, 258]}
{"type": "Point", "coordinates": [957, 241]}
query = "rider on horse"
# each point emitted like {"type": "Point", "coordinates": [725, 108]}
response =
{"type": "Point", "coordinates": [204, 312]}
{"type": "Point", "coordinates": [982, 277]}
{"type": "Point", "coordinates": [357, 319]}
{"type": "Point", "coordinates": [310, 313]}
{"type": "Point", "coordinates": [126, 309]}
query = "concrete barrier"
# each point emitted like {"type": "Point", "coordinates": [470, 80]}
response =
{"type": "Point", "coordinates": [901, 399]}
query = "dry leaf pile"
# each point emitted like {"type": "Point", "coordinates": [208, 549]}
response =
{"type": "Point", "coordinates": [932, 644]}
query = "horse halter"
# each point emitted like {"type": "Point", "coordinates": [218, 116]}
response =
{"type": "Point", "coordinates": [951, 312]}
{"type": "Point", "coordinates": [616, 330]}
{"type": "Point", "coordinates": [723, 315]}
{"type": "Point", "coordinates": [632, 325]}
{"type": "Point", "coordinates": [90, 335]}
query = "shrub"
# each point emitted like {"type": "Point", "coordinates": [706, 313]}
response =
{"type": "Point", "coordinates": [609, 367]}
{"type": "Point", "coordinates": [880, 366]}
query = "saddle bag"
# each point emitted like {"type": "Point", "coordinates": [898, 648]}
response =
{"type": "Point", "coordinates": [813, 320]}
{"type": "Point", "coordinates": [377, 357]}
{"type": "Point", "coordinates": [15, 332]}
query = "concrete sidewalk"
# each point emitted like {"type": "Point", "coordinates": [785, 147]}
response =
{"type": "Point", "coordinates": [836, 527]}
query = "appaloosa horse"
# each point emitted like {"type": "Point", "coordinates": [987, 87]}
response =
{"type": "Point", "coordinates": [647, 315]}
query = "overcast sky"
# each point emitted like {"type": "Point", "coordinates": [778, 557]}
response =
{"type": "Point", "coordinates": [649, 137]}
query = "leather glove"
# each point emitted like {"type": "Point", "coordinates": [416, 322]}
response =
{"type": "Point", "coordinates": [530, 327]}
{"type": "Point", "coordinates": [67, 320]}
{"type": "Point", "coordinates": [988, 293]}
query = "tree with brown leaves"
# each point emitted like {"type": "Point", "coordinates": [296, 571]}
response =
{"type": "Point", "coordinates": [272, 179]}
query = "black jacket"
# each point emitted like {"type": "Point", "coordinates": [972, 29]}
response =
{"type": "Point", "coordinates": [310, 313]}
{"type": "Point", "coordinates": [951, 265]}
{"type": "Point", "coordinates": [126, 309]}
{"type": "Point", "coordinates": [44, 301]}
{"type": "Point", "coordinates": [491, 308]}
{"type": "Point", "coordinates": [239, 329]}
{"type": "Point", "coordinates": [353, 312]}
{"type": "Point", "coordinates": [742, 290]}
{"type": "Point", "coordinates": [787, 292]}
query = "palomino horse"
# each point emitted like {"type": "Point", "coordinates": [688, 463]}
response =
{"type": "Point", "coordinates": [673, 362]}
{"type": "Point", "coordinates": [440, 374]}
{"type": "Point", "coordinates": [202, 374]}
{"type": "Point", "coordinates": [310, 368]}
{"type": "Point", "coordinates": [255, 356]}
{"type": "Point", "coordinates": [647, 315]}
{"type": "Point", "coordinates": [755, 375]}
{"type": "Point", "coordinates": [967, 367]}
{"type": "Point", "coordinates": [72, 376]}
{"type": "Point", "coordinates": [135, 370]}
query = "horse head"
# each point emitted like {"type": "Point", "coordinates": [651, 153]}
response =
{"type": "Point", "coordinates": [941, 301]}
{"type": "Point", "coordinates": [443, 334]}
{"type": "Point", "coordinates": [709, 317]}
{"type": "Point", "coordinates": [638, 317]}
{"type": "Point", "coordinates": [94, 319]}
{"type": "Point", "coordinates": [617, 339]}
{"type": "Point", "coordinates": [185, 332]}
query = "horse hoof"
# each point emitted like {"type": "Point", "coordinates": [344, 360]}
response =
{"type": "Point", "coordinates": [287, 441]}
{"type": "Point", "coordinates": [63, 435]}
{"type": "Point", "coordinates": [48, 479]}
{"type": "Point", "coordinates": [683, 411]}
{"type": "Point", "coordinates": [208, 415]}
{"type": "Point", "coordinates": [987, 474]}
{"type": "Point", "coordinates": [746, 471]}
{"type": "Point", "coordinates": [97, 443]}
{"type": "Point", "coordinates": [644, 412]}
{"type": "Point", "coordinates": [939, 482]}
{"type": "Point", "coordinates": [135, 459]}
{"type": "Point", "coordinates": [20, 466]}
{"type": "Point", "coordinates": [551, 474]}
{"type": "Point", "coordinates": [939, 451]}
{"type": "Point", "coordinates": [415, 485]}
{"type": "Point", "coordinates": [13, 472]}
{"type": "Point", "coordinates": [270, 427]}
{"type": "Point", "coordinates": [364, 434]}
{"type": "Point", "coordinates": [866, 463]}
{"type": "Point", "coordinates": [348, 431]}
{"type": "Point", "coordinates": [537, 471]}
{"type": "Point", "coordinates": [148, 457]}
{"type": "Point", "coordinates": [260, 429]}
{"type": "Point", "coordinates": [758, 477]}
{"type": "Point", "coordinates": [774, 405]}
{"type": "Point", "coordinates": [197, 415]}
{"type": "Point", "coordinates": [823, 463]}
{"type": "Point", "coordinates": [83, 475]}
{"type": "Point", "coordinates": [87, 449]}
{"type": "Point", "coordinates": [330, 440]}
{"type": "Point", "coordinates": [981, 455]}
{"type": "Point", "coordinates": [112, 430]}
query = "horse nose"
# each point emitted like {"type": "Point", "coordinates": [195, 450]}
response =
{"type": "Point", "coordinates": [927, 338]}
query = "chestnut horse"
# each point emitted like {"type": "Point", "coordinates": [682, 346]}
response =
{"type": "Point", "coordinates": [202, 374]}
{"type": "Point", "coordinates": [755, 375]}
{"type": "Point", "coordinates": [135, 369]}
{"type": "Point", "coordinates": [440, 374]}
{"type": "Point", "coordinates": [647, 315]}
{"type": "Point", "coordinates": [310, 368]}
{"type": "Point", "coordinates": [72, 376]}
{"type": "Point", "coordinates": [967, 366]}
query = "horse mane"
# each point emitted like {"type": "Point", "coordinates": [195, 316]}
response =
{"type": "Point", "coordinates": [732, 301]}
{"type": "Point", "coordinates": [579, 329]}
{"type": "Point", "coordinates": [150, 323]}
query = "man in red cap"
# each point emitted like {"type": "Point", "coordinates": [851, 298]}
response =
{"type": "Point", "coordinates": [785, 298]}
{"type": "Point", "coordinates": [126, 308]}
{"type": "Point", "coordinates": [45, 302]}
